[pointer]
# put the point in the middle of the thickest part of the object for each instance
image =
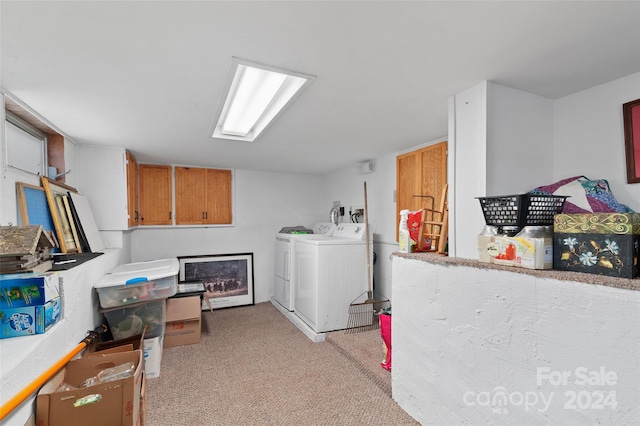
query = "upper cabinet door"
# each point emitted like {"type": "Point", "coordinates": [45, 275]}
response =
{"type": "Point", "coordinates": [203, 196]}
{"type": "Point", "coordinates": [132, 190]}
{"type": "Point", "coordinates": [190, 193]}
{"type": "Point", "coordinates": [155, 195]}
{"type": "Point", "coordinates": [218, 197]}
{"type": "Point", "coordinates": [101, 176]}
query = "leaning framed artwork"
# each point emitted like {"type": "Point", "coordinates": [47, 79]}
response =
{"type": "Point", "coordinates": [227, 278]}
{"type": "Point", "coordinates": [56, 192]}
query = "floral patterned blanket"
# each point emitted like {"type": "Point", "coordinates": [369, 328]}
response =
{"type": "Point", "coordinates": [585, 195]}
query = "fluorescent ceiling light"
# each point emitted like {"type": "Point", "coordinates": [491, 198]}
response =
{"type": "Point", "coordinates": [256, 95]}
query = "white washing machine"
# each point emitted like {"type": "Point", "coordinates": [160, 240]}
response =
{"type": "Point", "coordinates": [330, 273]}
{"type": "Point", "coordinates": [284, 267]}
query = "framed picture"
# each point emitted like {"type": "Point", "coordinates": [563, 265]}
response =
{"type": "Point", "coordinates": [631, 117]}
{"type": "Point", "coordinates": [34, 210]}
{"type": "Point", "coordinates": [56, 193]}
{"type": "Point", "coordinates": [227, 278]}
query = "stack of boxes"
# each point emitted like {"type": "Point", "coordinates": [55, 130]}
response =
{"type": "Point", "coordinates": [133, 300]}
{"type": "Point", "coordinates": [29, 303]}
{"type": "Point", "coordinates": [184, 314]}
{"type": "Point", "coordinates": [519, 230]}
{"type": "Point", "coordinates": [519, 233]}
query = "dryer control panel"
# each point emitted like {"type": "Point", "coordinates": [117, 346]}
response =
{"type": "Point", "coordinates": [351, 231]}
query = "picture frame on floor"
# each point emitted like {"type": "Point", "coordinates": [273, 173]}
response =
{"type": "Point", "coordinates": [227, 278]}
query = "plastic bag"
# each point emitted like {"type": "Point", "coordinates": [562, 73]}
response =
{"type": "Point", "coordinates": [385, 332]}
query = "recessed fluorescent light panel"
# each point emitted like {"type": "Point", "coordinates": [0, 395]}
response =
{"type": "Point", "coordinates": [256, 96]}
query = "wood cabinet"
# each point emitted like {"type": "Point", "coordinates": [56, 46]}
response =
{"type": "Point", "coordinates": [203, 196]}
{"type": "Point", "coordinates": [132, 190]}
{"type": "Point", "coordinates": [155, 194]}
{"type": "Point", "coordinates": [421, 175]}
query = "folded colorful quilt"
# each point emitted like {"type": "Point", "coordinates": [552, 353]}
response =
{"type": "Point", "coordinates": [585, 195]}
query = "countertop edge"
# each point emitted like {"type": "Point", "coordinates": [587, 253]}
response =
{"type": "Point", "coordinates": [603, 280]}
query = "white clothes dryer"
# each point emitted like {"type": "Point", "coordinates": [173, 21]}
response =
{"type": "Point", "coordinates": [330, 273]}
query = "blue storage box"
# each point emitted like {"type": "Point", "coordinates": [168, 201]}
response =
{"type": "Point", "coordinates": [28, 289]}
{"type": "Point", "coordinates": [29, 320]}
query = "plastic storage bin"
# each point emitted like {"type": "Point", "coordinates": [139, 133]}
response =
{"type": "Point", "coordinates": [138, 282]}
{"type": "Point", "coordinates": [521, 209]}
{"type": "Point", "coordinates": [131, 320]}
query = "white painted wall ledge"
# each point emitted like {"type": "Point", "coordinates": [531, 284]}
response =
{"type": "Point", "coordinates": [481, 345]}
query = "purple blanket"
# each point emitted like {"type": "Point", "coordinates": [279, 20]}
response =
{"type": "Point", "coordinates": [585, 195]}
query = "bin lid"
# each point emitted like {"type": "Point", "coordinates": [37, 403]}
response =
{"type": "Point", "coordinates": [139, 272]}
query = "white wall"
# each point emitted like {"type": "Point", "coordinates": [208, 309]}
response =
{"type": "Point", "coordinates": [589, 136]}
{"type": "Point", "coordinates": [464, 335]}
{"type": "Point", "coordinates": [264, 203]}
{"type": "Point", "coordinates": [519, 141]}
{"type": "Point", "coordinates": [468, 176]}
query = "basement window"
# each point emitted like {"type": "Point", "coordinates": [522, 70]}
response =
{"type": "Point", "coordinates": [25, 145]}
{"type": "Point", "coordinates": [255, 96]}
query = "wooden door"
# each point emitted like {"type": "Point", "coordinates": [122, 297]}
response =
{"type": "Point", "coordinates": [420, 177]}
{"type": "Point", "coordinates": [190, 194]}
{"type": "Point", "coordinates": [132, 190]}
{"type": "Point", "coordinates": [434, 174]}
{"type": "Point", "coordinates": [155, 195]}
{"type": "Point", "coordinates": [218, 197]}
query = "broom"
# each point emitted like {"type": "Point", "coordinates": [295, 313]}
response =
{"type": "Point", "coordinates": [362, 311]}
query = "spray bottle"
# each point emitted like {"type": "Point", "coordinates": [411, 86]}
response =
{"type": "Point", "coordinates": [404, 240]}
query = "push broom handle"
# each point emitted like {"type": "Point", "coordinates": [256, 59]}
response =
{"type": "Point", "coordinates": [32, 387]}
{"type": "Point", "coordinates": [366, 231]}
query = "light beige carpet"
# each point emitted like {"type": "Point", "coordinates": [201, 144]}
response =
{"type": "Point", "coordinates": [254, 367]}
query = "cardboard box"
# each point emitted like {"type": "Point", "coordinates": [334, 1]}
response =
{"type": "Point", "coordinates": [143, 402]}
{"type": "Point", "coordinates": [29, 320]}
{"type": "Point", "coordinates": [136, 342]}
{"type": "Point", "coordinates": [111, 403]}
{"type": "Point", "coordinates": [528, 253]}
{"type": "Point", "coordinates": [598, 243]}
{"type": "Point", "coordinates": [152, 356]}
{"type": "Point", "coordinates": [20, 290]}
{"type": "Point", "coordinates": [184, 316]}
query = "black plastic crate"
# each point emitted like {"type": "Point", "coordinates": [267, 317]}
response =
{"type": "Point", "coordinates": [521, 209]}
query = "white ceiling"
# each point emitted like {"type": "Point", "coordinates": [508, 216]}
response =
{"type": "Point", "coordinates": [148, 75]}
